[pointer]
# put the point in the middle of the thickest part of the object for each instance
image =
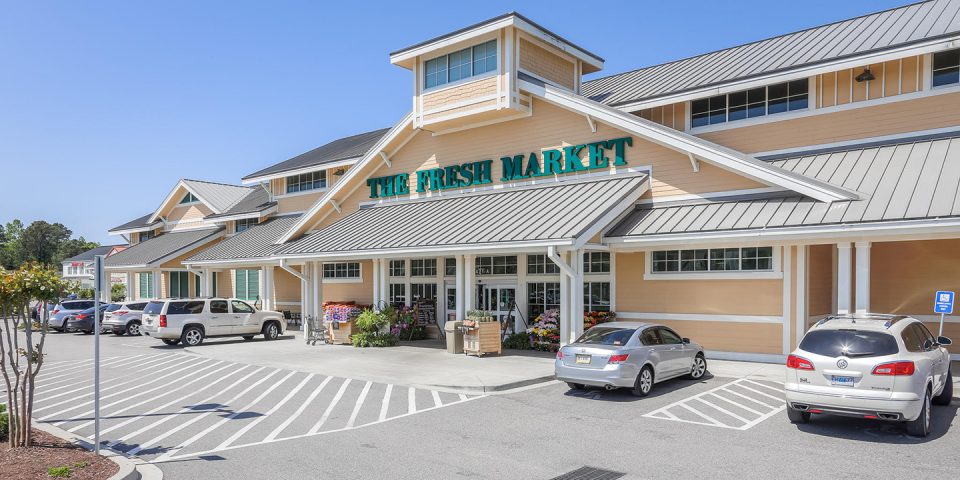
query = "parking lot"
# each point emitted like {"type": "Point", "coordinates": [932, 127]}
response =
{"type": "Point", "coordinates": [184, 410]}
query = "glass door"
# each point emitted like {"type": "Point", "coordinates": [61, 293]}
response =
{"type": "Point", "coordinates": [498, 300]}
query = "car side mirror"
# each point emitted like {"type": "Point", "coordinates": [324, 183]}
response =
{"type": "Point", "coordinates": [944, 341]}
{"type": "Point", "coordinates": [685, 340]}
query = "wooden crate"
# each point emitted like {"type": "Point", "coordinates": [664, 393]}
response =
{"type": "Point", "coordinates": [484, 338]}
{"type": "Point", "coordinates": [341, 335]}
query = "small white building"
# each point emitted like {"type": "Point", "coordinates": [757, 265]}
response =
{"type": "Point", "coordinates": [80, 268]}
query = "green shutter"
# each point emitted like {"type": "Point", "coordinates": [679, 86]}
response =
{"type": "Point", "coordinates": [144, 285]}
{"type": "Point", "coordinates": [215, 291]}
{"type": "Point", "coordinates": [240, 284]}
{"type": "Point", "coordinates": [196, 286]}
{"type": "Point", "coordinates": [253, 284]}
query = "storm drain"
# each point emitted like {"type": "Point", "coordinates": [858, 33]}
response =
{"type": "Point", "coordinates": [590, 473]}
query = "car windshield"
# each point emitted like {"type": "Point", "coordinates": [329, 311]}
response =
{"type": "Point", "coordinates": [606, 336]}
{"type": "Point", "coordinates": [153, 308]}
{"type": "Point", "coordinates": [849, 343]}
{"type": "Point", "coordinates": [112, 307]}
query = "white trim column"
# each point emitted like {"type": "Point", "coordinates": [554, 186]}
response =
{"type": "Point", "coordinates": [376, 280]}
{"type": "Point", "coordinates": [206, 288]}
{"type": "Point", "coordinates": [461, 305]}
{"type": "Point", "coordinates": [787, 261]}
{"type": "Point", "coordinates": [130, 287]}
{"type": "Point", "coordinates": [576, 291]}
{"type": "Point", "coordinates": [157, 280]}
{"type": "Point", "coordinates": [802, 283]}
{"type": "Point", "coordinates": [469, 281]}
{"type": "Point", "coordinates": [384, 281]}
{"type": "Point", "coordinates": [316, 304]}
{"type": "Point", "coordinates": [564, 303]}
{"type": "Point", "coordinates": [266, 286]}
{"type": "Point", "coordinates": [863, 277]}
{"type": "Point", "coordinates": [521, 295]}
{"type": "Point", "coordinates": [844, 277]}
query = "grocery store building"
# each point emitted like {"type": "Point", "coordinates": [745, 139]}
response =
{"type": "Point", "coordinates": [736, 196]}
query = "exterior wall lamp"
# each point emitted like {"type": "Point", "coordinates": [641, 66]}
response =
{"type": "Point", "coordinates": [866, 76]}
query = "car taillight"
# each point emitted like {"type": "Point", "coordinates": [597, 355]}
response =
{"type": "Point", "coordinates": [895, 368]}
{"type": "Point", "coordinates": [55, 311]}
{"type": "Point", "coordinates": [618, 359]}
{"type": "Point", "coordinates": [120, 312]}
{"type": "Point", "coordinates": [559, 355]}
{"type": "Point", "coordinates": [81, 316]}
{"type": "Point", "coordinates": [163, 320]}
{"type": "Point", "coordinates": [799, 363]}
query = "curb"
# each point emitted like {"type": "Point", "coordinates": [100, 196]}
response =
{"type": "Point", "coordinates": [130, 468]}
{"type": "Point", "coordinates": [491, 388]}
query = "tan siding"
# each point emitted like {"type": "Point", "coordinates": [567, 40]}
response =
{"type": "Point", "coordinates": [834, 88]}
{"type": "Point", "coordinates": [763, 338]}
{"type": "Point", "coordinates": [178, 262]}
{"type": "Point", "coordinates": [820, 280]}
{"type": "Point", "coordinates": [549, 127]}
{"type": "Point", "coordinates": [911, 74]}
{"type": "Point", "coordinates": [298, 203]}
{"type": "Point", "coordinates": [460, 93]}
{"type": "Point", "coordinates": [907, 116]}
{"type": "Point", "coordinates": [672, 115]}
{"type": "Point", "coordinates": [188, 215]}
{"type": "Point", "coordinates": [225, 283]}
{"type": "Point", "coordinates": [459, 110]}
{"type": "Point", "coordinates": [545, 64]}
{"type": "Point", "coordinates": [723, 297]}
{"type": "Point", "coordinates": [286, 286]}
{"type": "Point", "coordinates": [362, 293]}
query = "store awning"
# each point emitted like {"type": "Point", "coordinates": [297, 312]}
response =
{"type": "Point", "coordinates": [566, 213]}
{"type": "Point", "coordinates": [163, 248]}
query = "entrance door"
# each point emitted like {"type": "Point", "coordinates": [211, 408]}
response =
{"type": "Point", "coordinates": [498, 300]}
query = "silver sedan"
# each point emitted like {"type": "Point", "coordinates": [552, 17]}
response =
{"type": "Point", "coordinates": [632, 355]}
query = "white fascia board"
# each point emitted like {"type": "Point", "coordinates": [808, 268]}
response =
{"type": "Point", "coordinates": [241, 216]}
{"type": "Point", "coordinates": [124, 268]}
{"type": "Point", "coordinates": [136, 229]}
{"type": "Point", "coordinates": [559, 44]}
{"type": "Point", "coordinates": [718, 155]}
{"type": "Point", "coordinates": [181, 251]}
{"type": "Point", "coordinates": [181, 183]}
{"type": "Point", "coordinates": [298, 171]}
{"type": "Point", "coordinates": [796, 73]}
{"type": "Point", "coordinates": [872, 231]}
{"type": "Point", "coordinates": [433, 250]}
{"type": "Point", "coordinates": [234, 262]}
{"type": "Point", "coordinates": [374, 152]}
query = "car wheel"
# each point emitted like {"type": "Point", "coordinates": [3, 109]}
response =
{"type": "Point", "coordinates": [171, 341]}
{"type": "Point", "coordinates": [946, 395]}
{"type": "Point", "coordinates": [575, 386]}
{"type": "Point", "coordinates": [191, 337]}
{"type": "Point", "coordinates": [644, 383]}
{"type": "Point", "coordinates": [796, 416]}
{"type": "Point", "coordinates": [921, 426]}
{"type": "Point", "coordinates": [699, 367]}
{"type": "Point", "coordinates": [88, 332]}
{"type": "Point", "coordinates": [248, 337]}
{"type": "Point", "coordinates": [271, 331]}
{"type": "Point", "coordinates": [133, 328]}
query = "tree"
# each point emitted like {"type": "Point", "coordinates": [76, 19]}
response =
{"type": "Point", "coordinates": [20, 364]}
{"type": "Point", "coordinates": [73, 247]}
{"type": "Point", "coordinates": [118, 292]}
{"type": "Point", "coordinates": [10, 248]}
{"type": "Point", "coordinates": [41, 241]}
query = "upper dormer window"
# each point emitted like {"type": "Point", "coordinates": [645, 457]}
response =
{"type": "Point", "coordinates": [307, 181]}
{"type": "Point", "coordinates": [946, 68]}
{"type": "Point", "coordinates": [756, 102]}
{"type": "Point", "coordinates": [188, 198]}
{"type": "Point", "coordinates": [461, 64]}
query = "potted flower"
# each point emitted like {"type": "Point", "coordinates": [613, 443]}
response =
{"type": "Point", "coordinates": [481, 333]}
{"type": "Point", "coordinates": [545, 331]}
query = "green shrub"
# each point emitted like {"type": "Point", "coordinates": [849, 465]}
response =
{"type": "Point", "coordinates": [4, 423]}
{"type": "Point", "coordinates": [370, 321]}
{"type": "Point", "coordinates": [59, 472]}
{"type": "Point", "coordinates": [80, 465]}
{"type": "Point", "coordinates": [517, 341]}
{"type": "Point", "coordinates": [374, 339]}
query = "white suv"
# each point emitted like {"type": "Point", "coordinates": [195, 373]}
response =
{"type": "Point", "coordinates": [883, 367]}
{"type": "Point", "coordinates": [191, 321]}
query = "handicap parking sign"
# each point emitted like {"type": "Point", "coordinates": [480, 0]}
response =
{"type": "Point", "coordinates": [943, 302]}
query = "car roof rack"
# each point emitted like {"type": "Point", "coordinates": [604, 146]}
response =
{"type": "Point", "coordinates": [890, 319]}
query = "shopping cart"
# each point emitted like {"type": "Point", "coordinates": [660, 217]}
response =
{"type": "Point", "coordinates": [315, 331]}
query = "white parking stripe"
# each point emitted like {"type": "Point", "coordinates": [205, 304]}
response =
{"type": "Point", "coordinates": [356, 408]}
{"type": "Point", "coordinates": [226, 419]}
{"type": "Point", "coordinates": [152, 399]}
{"type": "Point", "coordinates": [386, 403]}
{"type": "Point", "coordinates": [758, 392]}
{"type": "Point", "coordinates": [88, 385]}
{"type": "Point", "coordinates": [738, 405]}
{"type": "Point", "coordinates": [462, 397]}
{"type": "Point", "coordinates": [333, 404]}
{"type": "Point", "coordinates": [754, 400]}
{"type": "Point", "coordinates": [411, 400]}
{"type": "Point", "coordinates": [710, 402]}
{"type": "Point", "coordinates": [172, 402]}
{"type": "Point", "coordinates": [266, 415]}
{"type": "Point", "coordinates": [778, 390]}
{"type": "Point", "coordinates": [721, 409]}
{"type": "Point", "coordinates": [186, 424]}
{"type": "Point", "coordinates": [306, 403]}
{"type": "Point", "coordinates": [436, 399]}
{"type": "Point", "coordinates": [703, 415]}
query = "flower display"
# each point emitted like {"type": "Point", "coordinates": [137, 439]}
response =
{"type": "Point", "coordinates": [592, 319]}
{"type": "Point", "coordinates": [545, 332]}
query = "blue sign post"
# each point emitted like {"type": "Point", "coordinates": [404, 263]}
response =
{"type": "Point", "coordinates": [943, 304]}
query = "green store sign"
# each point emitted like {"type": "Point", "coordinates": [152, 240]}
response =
{"type": "Point", "coordinates": [575, 158]}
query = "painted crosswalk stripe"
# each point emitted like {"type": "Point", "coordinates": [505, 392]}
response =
{"type": "Point", "coordinates": [411, 400]}
{"type": "Point", "coordinates": [266, 415]}
{"type": "Point", "coordinates": [226, 419]}
{"type": "Point", "coordinates": [153, 441]}
{"type": "Point", "coordinates": [386, 403]}
{"type": "Point", "coordinates": [333, 404]}
{"type": "Point", "coordinates": [356, 408]}
{"type": "Point", "coordinates": [286, 423]}
{"type": "Point", "coordinates": [88, 385]}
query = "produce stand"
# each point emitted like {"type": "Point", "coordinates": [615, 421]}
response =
{"type": "Point", "coordinates": [481, 335]}
{"type": "Point", "coordinates": [338, 320]}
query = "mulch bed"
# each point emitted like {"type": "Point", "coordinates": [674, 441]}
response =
{"type": "Point", "coordinates": [49, 451]}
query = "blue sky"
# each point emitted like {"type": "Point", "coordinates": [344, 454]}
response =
{"type": "Point", "coordinates": [105, 105]}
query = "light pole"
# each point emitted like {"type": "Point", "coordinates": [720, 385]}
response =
{"type": "Point", "coordinates": [98, 291]}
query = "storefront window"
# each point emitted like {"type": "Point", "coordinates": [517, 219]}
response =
{"type": "Point", "coordinates": [596, 262]}
{"type": "Point", "coordinates": [450, 267]}
{"type": "Point", "coordinates": [451, 299]}
{"type": "Point", "coordinates": [541, 265]}
{"type": "Point", "coordinates": [542, 296]}
{"type": "Point", "coordinates": [398, 268]}
{"type": "Point", "coordinates": [596, 297]}
{"type": "Point", "coordinates": [341, 270]}
{"type": "Point", "coordinates": [423, 267]}
{"type": "Point", "coordinates": [423, 291]}
{"type": "Point", "coordinates": [506, 265]}
{"type": "Point", "coordinates": [749, 259]}
{"type": "Point", "coordinates": [246, 223]}
{"type": "Point", "coordinates": [307, 181]}
{"type": "Point", "coordinates": [398, 294]}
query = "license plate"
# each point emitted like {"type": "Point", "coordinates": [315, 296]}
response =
{"type": "Point", "coordinates": [583, 359]}
{"type": "Point", "coordinates": [841, 381]}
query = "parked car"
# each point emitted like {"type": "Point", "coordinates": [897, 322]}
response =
{"type": "Point", "coordinates": [58, 319]}
{"type": "Point", "coordinates": [882, 367]}
{"type": "Point", "coordinates": [632, 355]}
{"type": "Point", "coordinates": [191, 321]}
{"type": "Point", "coordinates": [84, 321]}
{"type": "Point", "coordinates": [123, 318]}
{"type": "Point", "coordinates": [37, 311]}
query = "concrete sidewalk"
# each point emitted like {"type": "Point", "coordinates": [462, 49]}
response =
{"type": "Point", "coordinates": [424, 363]}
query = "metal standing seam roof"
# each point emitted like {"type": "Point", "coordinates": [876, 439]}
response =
{"type": "Point", "coordinates": [255, 242]}
{"type": "Point", "coordinates": [337, 150]}
{"type": "Point", "coordinates": [256, 200]}
{"type": "Point", "coordinates": [218, 196]}
{"type": "Point", "coordinates": [141, 222]}
{"type": "Point", "coordinates": [848, 38]}
{"type": "Point", "coordinates": [899, 181]}
{"type": "Point", "coordinates": [556, 212]}
{"type": "Point", "coordinates": [162, 246]}
{"type": "Point", "coordinates": [89, 254]}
